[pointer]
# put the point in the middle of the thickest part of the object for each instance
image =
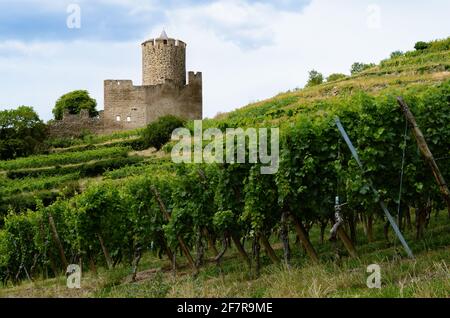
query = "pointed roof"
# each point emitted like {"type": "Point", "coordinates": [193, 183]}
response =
{"type": "Point", "coordinates": [163, 35]}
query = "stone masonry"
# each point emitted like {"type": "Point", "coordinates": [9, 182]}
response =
{"type": "Point", "coordinates": [164, 92]}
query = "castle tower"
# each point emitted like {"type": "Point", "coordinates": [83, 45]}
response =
{"type": "Point", "coordinates": [163, 59]}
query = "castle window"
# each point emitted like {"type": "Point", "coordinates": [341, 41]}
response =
{"type": "Point", "coordinates": [165, 41]}
{"type": "Point", "coordinates": [128, 118]}
{"type": "Point", "coordinates": [134, 109]}
{"type": "Point", "coordinates": [117, 118]}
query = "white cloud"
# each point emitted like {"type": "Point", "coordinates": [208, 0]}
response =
{"type": "Point", "coordinates": [327, 35]}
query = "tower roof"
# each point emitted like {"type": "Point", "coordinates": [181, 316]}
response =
{"type": "Point", "coordinates": [163, 35]}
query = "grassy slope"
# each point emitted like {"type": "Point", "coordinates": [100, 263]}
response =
{"type": "Point", "coordinates": [427, 276]}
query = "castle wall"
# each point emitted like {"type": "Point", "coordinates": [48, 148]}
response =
{"type": "Point", "coordinates": [76, 125]}
{"type": "Point", "coordinates": [170, 99]}
{"type": "Point", "coordinates": [137, 106]}
{"type": "Point", "coordinates": [125, 104]}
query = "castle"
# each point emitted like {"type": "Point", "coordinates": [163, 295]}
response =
{"type": "Point", "coordinates": [164, 91]}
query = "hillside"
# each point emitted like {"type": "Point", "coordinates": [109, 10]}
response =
{"type": "Point", "coordinates": [109, 200]}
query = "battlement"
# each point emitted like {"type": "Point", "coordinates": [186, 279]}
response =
{"type": "Point", "coordinates": [118, 83]}
{"type": "Point", "coordinates": [194, 77]}
{"type": "Point", "coordinates": [164, 42]}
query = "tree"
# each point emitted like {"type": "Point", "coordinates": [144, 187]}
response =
{"type": "Point", "coordinates": [315, 78]}
{"type": "Point", "coordinates": [420, 46]}
{"type": "Point", "coordinates": [74, 102]}
{"type": "Point", "coordinates": [396, 54]}
{"type": "Point", "coordinates": [359, 67]}
{"type": "Point", "coordinates": [158, 133]}
{"type": "Point", "coordinates": [335, 77]}
{"type": "Point", "coordinates": [22, 133]}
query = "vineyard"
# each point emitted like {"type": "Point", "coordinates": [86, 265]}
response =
{"type": "Point", "coordinates": [141, 221]}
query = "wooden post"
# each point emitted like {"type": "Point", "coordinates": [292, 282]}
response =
{"type": "Point", "coordinates": [347, 242]}
{"type": "Point", "coordinates": [241, 249]}
{"type": "Point", "coordinates": [183, 245]}
{"type": "Point", "coordinates": [108, 259]}
{"type": "Point", "coordinates": [269, 250]}
{"type": "Point", "coordinates": [423, 146]}
{"type": "Point", "coordinates": [301, 233]}
{"type": "Point", "coordinates": [55, 235]}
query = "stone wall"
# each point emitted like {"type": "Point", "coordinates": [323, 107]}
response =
{"type": "Point", "coordinates": [163, 60]}
{"type": "Point", "coordinates": [77, 125]}
{"type": "Point", "coordinates": [130, 107]}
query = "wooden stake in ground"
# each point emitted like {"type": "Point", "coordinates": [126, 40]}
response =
{"type": "Point", "coordinates": [58, 243]}
{"type": "Point", "coordinates": [108, 258]}
{"type": "Point", "coordinates": [423, 146]}
{"type": "Point", "coordinates": [183, 246]}
{"type": "Point", "coordinates": [301, 233]}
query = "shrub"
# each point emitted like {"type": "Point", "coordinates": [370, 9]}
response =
{"type": "Point", "coordinates": [335, 77]}
{"type": "Point", "coordinates": [396, 54]}
{"type": "Point", "coordinates": [359, 67]}
{"type": "Point", "coordinates": [159, 133]}
{"type": "Point", "coordinates": [420, 46]}
{"type": "Point", "coordinates": [315, 78]}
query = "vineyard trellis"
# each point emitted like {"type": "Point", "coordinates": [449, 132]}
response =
{"type": "Point", "coordinates": [190, 208]}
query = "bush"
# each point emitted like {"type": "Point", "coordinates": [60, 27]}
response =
{"type": "Point", "coordinates": [315, 78]}
{"type": "Point", "coordinates": [396, 54]}
{"type": "Point", "coordinates": [359, 67]}
{"type": "Point", "coordinates": [158, 133]}
{"type": "Point", "coordinates": [420, 46]}
{"type": "Point", "coordinates": [335, 77]}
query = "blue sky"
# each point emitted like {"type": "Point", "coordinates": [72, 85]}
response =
{"type": "Point", "coordinates": [247, 49]}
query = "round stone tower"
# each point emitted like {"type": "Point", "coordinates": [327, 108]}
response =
{"type": "Point", "coordinates": [163, 59]}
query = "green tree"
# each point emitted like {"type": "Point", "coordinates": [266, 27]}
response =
{"type": "Point", "coordinates": [359, 67]}
{"type": "Point", "coordinates": [74, 102]}
{"type": "Point", "coordinates": [420, 46]}
{"type": "Point", "coordinates": [158, 133]}
{"type": "Point", "coordinates": [396, 54]}
{"type": "Point", "coordinates": [335, 77]}
{"type": "Point", "coordinates": [22, 133]}
{"type": "Point", "coordinates": [315, 78]}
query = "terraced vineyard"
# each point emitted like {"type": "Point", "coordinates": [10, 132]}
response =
{"type": "Point", "coordinates": [142, 225]}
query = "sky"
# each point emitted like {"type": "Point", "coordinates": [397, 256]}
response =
{"type": "Point", "coordinates": [248, 50]}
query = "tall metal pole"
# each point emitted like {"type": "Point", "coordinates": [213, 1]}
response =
{"type": "Point", "coordinates": [374, 190]}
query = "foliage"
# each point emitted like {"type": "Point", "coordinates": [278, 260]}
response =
{"type": "Point", "coordinates": [315, 78]}
{"type": "Point", "coordinates": [74, 102]}
{"type": "Point", "coordinates": [22, 133]}
{"type": "Point", "coordinates": [158, 133]}
{"type": "Point", "coordinates": [127, 211]}
{"type": "Point", "coordinates": [335, 77]}
{"type": "Point", "coordinates": [63, 159]}
{"type": "Point", "coordinates": [358, 67]}
{"type": "Point", "coordinates": [420, 46]}
{"type": "Point", "coordinates": [396, 54]}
